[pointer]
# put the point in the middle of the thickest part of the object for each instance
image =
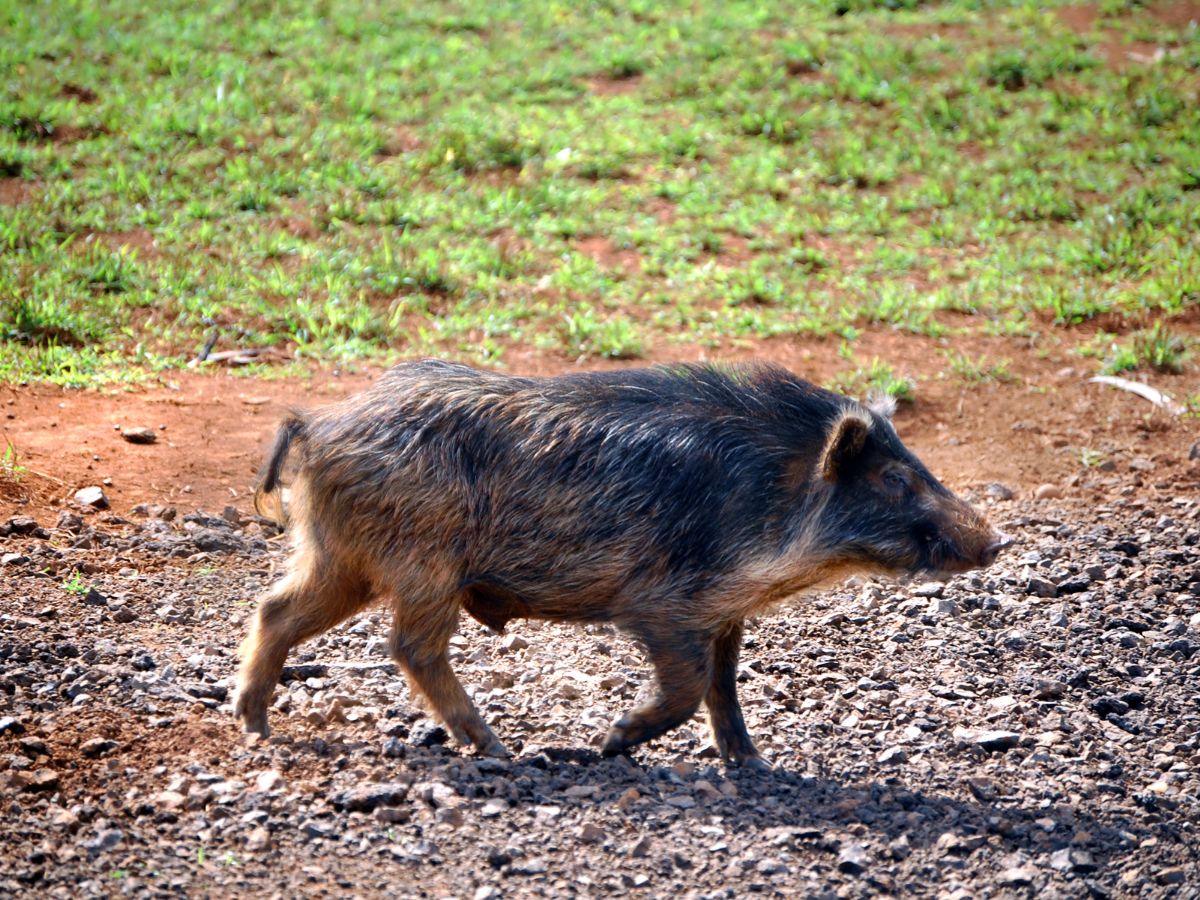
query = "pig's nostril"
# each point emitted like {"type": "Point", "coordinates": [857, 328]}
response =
{"type": "Point", "coordinates": [992, 550]}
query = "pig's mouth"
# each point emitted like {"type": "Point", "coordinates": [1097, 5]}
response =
{"type": "Point", "coordinates": [941, 557]}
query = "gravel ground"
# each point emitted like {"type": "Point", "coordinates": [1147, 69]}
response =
{"type": "Point", "coordinates": [1034, 728]}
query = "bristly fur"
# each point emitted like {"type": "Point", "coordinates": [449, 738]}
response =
{"type": "Point", "coordinates": [673, 501]}
{"type": "Point", "coordinates": [881, 404]}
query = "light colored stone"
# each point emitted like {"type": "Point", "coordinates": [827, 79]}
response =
{"type": "Point", "coordinates": [494, 807]}
{"type": "Point", "coordinates": [268, 780]}
{"type": "Point", "coordinates": [92, 496]}
{"type": "Point", "coordinates": [258, 840]}
{"type": "Point", "coordinates": [590, 833]}
{"type": "Point", "coordinates": [169, 800]}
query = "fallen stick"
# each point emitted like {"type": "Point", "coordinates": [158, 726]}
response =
{"type": "Point", "coordinates": [1157, 397]}
{"type": "Point", "coordinates": [208, 345]}
{"type": "Point", "coordinates": [232, 357]}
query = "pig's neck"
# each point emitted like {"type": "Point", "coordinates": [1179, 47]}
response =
{"type": "Point", "coordinates": [803, 560]}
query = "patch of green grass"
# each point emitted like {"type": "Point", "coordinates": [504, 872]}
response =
{"type": "Point", "coordinates": [470, 146]}
{"type": "Point", "coordinates": [108, 272]}
{"type": "Point", "coordinates": [1016, 68]}
{"type": "Point", "coordinates": [1123, 359]}
{"type": "Point", "coordinates": [624, 62]}
{"type": "Point", "coordinates": [875, 378]}
{"type": "Point", "coordinates": [75, 584]}
{"type": "Point", "coordinates": [44, 319]}
{"type": "Point", "coordinates": [347, 182]}
{"type": "Point", "coordinates": [1155, 348]}
{"type": "Point", "coordinates": [584, 334]}
{"type": "Point", "coordinates": [980, 370]}
{"type": "Point", "coordinates": [1072, 304]}
{"type": "Point", "coordinates": [11, 469]}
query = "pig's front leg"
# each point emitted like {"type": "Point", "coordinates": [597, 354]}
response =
{"type": "Point", "coordinates": [724, 711]}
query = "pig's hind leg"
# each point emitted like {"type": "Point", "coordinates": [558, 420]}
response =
{"type": "Point", "coordinates": [419, 642]}
{"type": "Point", "coordinates": [683, 672]}
{"type": "Point", "coordinates": [316, 595]}
{"type": "Point", "coordinates": [724, 711]}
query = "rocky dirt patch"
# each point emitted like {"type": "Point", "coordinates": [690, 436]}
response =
{"type": "Point", "coordinates": [1034, 728]}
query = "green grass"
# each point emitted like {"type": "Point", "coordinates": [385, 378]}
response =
{"type": "Point", "coordinates": [76, 584]}
{"type": "Point", "coordinates": [876, 378]}
{"type": "Point", "coordinates": [11, 468]}
{"type": "Point", "coordinates": [981, 370]}
{"type": "Point", "coordinates": [360, 181]}
{"type": "Point", "coordinates": [1156, 349]}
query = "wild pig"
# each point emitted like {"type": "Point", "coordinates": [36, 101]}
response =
{"type": "Point", "coordinates": [672, 501]}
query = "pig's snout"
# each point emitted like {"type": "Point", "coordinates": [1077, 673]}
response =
{"type": "Point", "coordinates": [1001, 541]}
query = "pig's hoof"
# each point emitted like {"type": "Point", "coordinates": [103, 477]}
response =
{"type": "Point", "coordinates": [253, 722]}
{"type": "Point", "coordinates": [257, 725]}
{"type": "Point", "coordinates": [494, 749]}
{"type": "Point", "coordinates": [616, 741]}
{"type": "Point", "coordinates": [754, 763]}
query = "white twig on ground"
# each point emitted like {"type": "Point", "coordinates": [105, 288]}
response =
{"type": "Point", "coordinates": [1155, 396]}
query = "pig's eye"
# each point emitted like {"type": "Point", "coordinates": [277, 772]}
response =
{"type": "Point", "coordinates": [895, 482]}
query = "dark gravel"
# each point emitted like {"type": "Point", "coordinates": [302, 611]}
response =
{"type": "Point", "coordinates": [1032, 729]}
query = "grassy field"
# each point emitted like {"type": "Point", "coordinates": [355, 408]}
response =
{"type": "Point", "coordinates": [343, 180]}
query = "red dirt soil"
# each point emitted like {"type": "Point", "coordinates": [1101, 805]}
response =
{"type": "Point", "coordinates": [214, 428]}
{"type": "Point", "coordinates": [1120, 52]}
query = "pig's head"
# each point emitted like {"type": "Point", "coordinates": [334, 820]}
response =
{"type": "Point", "coordinates": [886, 510]}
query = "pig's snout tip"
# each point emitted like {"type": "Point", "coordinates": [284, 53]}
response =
{"type": "Point", "coordinates": [991, 551]}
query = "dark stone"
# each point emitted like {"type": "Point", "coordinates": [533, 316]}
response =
{"type": "Point", "coordinates": [1075, 585]}
{"type": "Point", "coordinates": [366, 798]}
{"type": "Point", "coordinates": [427, 734]}
{"type": "Point", "coordinates": [853, 859]}
{"type": "Point", "coordinates": [1184, 647]}
{"type": "Point", "coordinates": [33, 747]}
{"type": "Point", "coordinates": [209, 691]}
{"type": "Point", "coordinates": [998, 741]}
{"type": "Point", "coordinates": [1128, 624]}
{"type": "Point", "coordinates": [139, 435]}
{"type": "Point", "coordinates": [303, 672]}
{"type": "Point", "coordinates": [94, 598]}
{"type": "Point", "coordinates": [25, 525]}
{"type": "Point", "coordinates": [1040, 587]}
{"type": "Point", "coordinates": [394, 748]}
{"type": "Point", "coordinates": [208, 540]}
{"type": "Point", "coordinates": [97, 747]}
{"type": "Point", "coordinates": [1106, 706]}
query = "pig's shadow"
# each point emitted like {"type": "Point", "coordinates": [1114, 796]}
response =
{"type": "Point", "coordinates": [813, 807]}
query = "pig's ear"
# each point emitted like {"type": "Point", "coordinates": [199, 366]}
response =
{"type": "Point", "coordinates": [846, 439]}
